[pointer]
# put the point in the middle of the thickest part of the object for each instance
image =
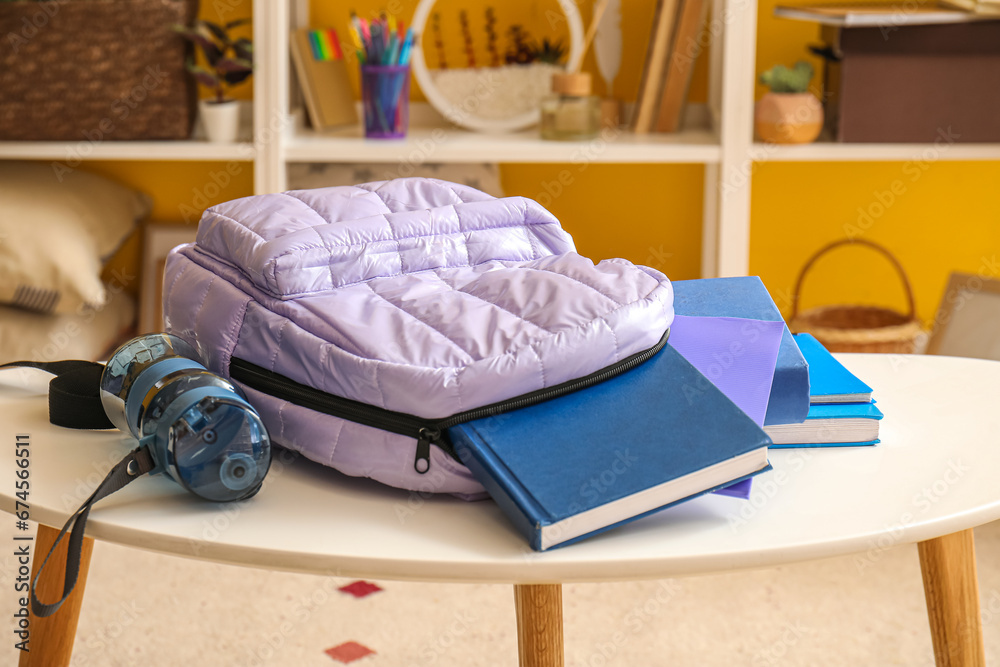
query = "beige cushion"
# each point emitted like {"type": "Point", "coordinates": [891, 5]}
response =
{"type": "Point", "coordinates": [92, 334]}
{"type": "Point", "coordinates": [57, 228]}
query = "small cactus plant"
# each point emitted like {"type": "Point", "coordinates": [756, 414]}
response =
{"type": "Point", "coordinates": [781, 79]}
{"type": "Point", "coordinates": [549, 52]}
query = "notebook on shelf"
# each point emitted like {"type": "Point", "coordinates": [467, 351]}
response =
{"type": "Point", "coordinates": [322, 74]}
{"type": "Point", "coordinates": [586, 462]}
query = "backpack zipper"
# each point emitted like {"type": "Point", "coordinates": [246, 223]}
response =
{"type": "Point", "coordinates": [426, 431]}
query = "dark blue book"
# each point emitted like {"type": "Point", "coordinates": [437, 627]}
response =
{"type": "Point", "coordinates": [585, 462]}
{"type": "Point", "coordinates": [747, 297]}
{"type": "Point", "coordinates": [829, 381]}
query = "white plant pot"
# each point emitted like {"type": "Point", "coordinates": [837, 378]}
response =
{"type": "Point", "coordinates": [221, 120]}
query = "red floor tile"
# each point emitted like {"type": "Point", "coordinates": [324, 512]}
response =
{"type": "Point", "coordinates": [348, 652]}
{"type": "Point", "coordinates": [360, 589]}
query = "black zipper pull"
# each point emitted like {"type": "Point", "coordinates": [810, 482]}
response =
{"type": "Point", "coordinates": [422, 462]}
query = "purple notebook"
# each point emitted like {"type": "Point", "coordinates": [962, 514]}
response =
{"type": "Point", "coordinates": [738, 356]}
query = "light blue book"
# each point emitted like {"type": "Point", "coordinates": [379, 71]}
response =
{"type": "Point", "coordinates": [841, 411]}
{"type": "Point", "coordinates": [829, 381]}
{"type": "Point", "coordinates": [830, 425]}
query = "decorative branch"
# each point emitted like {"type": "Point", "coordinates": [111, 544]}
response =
{"type": "Point", "coordinates": [491, 37]}
{"type": "Point", "coordinates": [438, 42]}
{"type": "Point", "coordinates": [463, 19]}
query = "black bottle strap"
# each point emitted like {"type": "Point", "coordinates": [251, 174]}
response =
{"type": "Point", "coordinates": [75, 402]}
{"type": "Point", "coordinates": [137, 463]}
{"type": "Point", "coordinates": [74, 392]}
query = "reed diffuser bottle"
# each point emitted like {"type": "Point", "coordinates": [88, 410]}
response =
{"type": "Point", "coordinates": [571, 113]}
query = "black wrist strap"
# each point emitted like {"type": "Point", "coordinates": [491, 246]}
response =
{"type": "Point", "coordinates": [136, 464]}
{"type": "Point", "coordinates": [75, 402]}
{"type": "Point", "coordinates": [74, 392]}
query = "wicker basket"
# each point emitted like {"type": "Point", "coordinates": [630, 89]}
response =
{"type": "Point", "coordinates": [854, 328]}
{"type": "Point", "coordinates": [95, 70]}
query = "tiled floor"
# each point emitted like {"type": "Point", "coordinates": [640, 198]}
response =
{"type": "Point", "coordinates": [149, 610]}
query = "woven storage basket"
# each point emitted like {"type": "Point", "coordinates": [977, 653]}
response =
{"type": "Point", "coordinates": [856, 328]}
{"type": "Point", "coordinates": [95, 70]}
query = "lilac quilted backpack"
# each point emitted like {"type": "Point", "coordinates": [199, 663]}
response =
{"type": "Point", "coordinates": [363, 321]}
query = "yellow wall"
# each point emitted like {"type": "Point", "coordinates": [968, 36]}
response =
{"type": "Point", "coordinates": [945, 218]}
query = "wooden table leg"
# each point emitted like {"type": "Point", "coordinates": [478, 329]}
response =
{"type": "Point", "coordinates": [539, 624]}
{"type": "Point", "coordinates": [948, 565]}
{"type": "Point", "coordinates": [51, 638]}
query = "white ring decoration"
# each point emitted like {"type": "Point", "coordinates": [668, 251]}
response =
{"type": "Point", "coordinates": [463, 117]}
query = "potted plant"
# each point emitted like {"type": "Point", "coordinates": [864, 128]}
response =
{"type": "Point", "coordinates": [230, 62]}
{"type": "Point", "coordinates": [789, 114]}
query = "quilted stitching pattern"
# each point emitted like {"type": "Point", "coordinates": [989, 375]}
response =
{"type": "Point", "coordinates": [415, 295]}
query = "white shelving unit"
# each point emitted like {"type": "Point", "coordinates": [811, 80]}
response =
{"type": "Point", "coordinates": [73, 151]}
{"type": "Point", "coordinates": [720, 137]}
{"type": "Point", "coordinates": [194, 150]}
{"type": "Point", "coordinates": [432, 139]}
{"type": "Point", "coordinates": [830, 151]}
{"type": "Point", "coordinates": [720, 141]}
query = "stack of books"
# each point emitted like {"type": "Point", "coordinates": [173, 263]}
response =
{"type": "Point", "coordinates": [686, 422]}
{"type": "Point", "coordinates": [842, 412]}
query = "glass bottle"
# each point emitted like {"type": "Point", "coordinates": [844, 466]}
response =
{"type": "Point", "coordinates": [571, 113]}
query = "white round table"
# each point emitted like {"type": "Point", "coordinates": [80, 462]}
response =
{"type": "Point", "coordinates": [931, 480]}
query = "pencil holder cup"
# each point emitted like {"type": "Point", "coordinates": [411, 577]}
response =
{"type": "Point", "coordinates": [385, 93]}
